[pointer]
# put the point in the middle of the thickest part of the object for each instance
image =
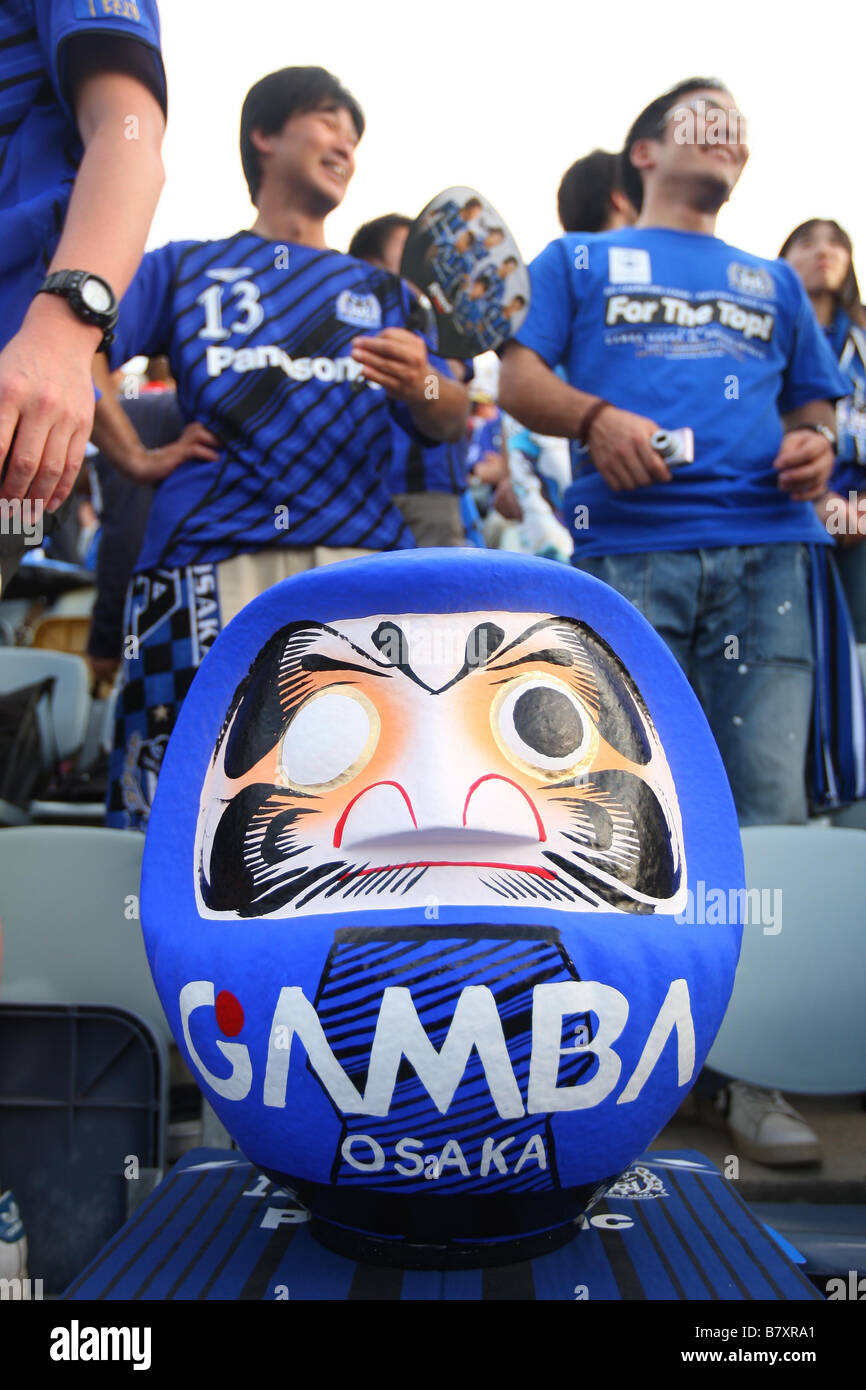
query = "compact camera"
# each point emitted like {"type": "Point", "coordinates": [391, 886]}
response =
{"type": "Point", "coordinates": [675, 446]}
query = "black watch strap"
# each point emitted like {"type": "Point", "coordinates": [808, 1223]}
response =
{"type": "Point", "coordinates": [68, 284]}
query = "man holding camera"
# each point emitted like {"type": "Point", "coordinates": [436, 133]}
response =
{"type": "Point", "coordinates": [664, 326]}
{"type": "Point", "coordinates": [661, 326]}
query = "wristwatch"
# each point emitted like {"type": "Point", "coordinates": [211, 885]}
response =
{"type": "Point", "coordinates": [88, 296]}
{"type": "Point", "coordinates": [816, 429]}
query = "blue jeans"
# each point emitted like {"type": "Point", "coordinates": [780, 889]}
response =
{"type": "Point", "coordinates": [737, 619]}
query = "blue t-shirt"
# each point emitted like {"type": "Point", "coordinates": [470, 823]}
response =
{"type": "Point", "coordinates": [690, 332]}
{"type": "Point", "coordinates": [259, 337]}
{"type": "Point", "coordinates": [485, 437]}
{"type": "Point", "coordinates": [40, 147]}
{"type": "Point", "coordinates": [848, 342]}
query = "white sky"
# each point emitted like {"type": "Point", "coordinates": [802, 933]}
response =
{"type": "Point", "coordinates": [504, 96]}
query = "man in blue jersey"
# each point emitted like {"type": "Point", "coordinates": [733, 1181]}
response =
{"type": "Point", "coordinates": [82, 114]}
{"type": "Point", "coordinates": [297, 359]}
{"type": "Point", "coordinates": [427, 479]}
{"type": "Point", "coordinates": [662, 325]}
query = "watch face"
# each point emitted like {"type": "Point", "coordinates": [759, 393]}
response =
{"type": "Point", "coordinates": [96, 295]}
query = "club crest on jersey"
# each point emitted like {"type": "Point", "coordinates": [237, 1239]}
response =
{"type": "Point", "coordinates": [751, 279]}
{"type": "Point", "coordinates": [637, 1184]}
{"type": "Point", "coordinates": [629, 265]}
{"type": "Point", "coordinates": [359, 310]}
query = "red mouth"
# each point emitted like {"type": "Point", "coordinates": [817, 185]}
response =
{"type": "Point", "coordinates": [451, 864]}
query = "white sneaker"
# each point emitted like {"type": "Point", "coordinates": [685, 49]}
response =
{"type": "Point", "coordinates": [13, 1241]}
{"type": "Point", "coordinates": [768, 1129]}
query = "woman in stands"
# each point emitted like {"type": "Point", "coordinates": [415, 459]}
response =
{"type": "Point", "coordinates": [821, 253]}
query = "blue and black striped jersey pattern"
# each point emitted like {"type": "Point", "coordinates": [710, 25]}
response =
{"type": "Point", "coordinates": [348, 1001]}
{"type": "Point", "coordinates": [420, 466]}
{"type": "Point", "coordinates": [215, 1229]}
{"type": "Point", "coordinates": [40, 148]}
{"type": "Point", "coordinates": [259, 335]}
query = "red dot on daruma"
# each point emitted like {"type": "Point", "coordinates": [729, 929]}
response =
{"type": "Point", "coordinates": [229, 1014]}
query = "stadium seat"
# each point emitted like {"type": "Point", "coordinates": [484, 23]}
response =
{"type": "Point", "coordinates": [21, 666]}
{"type": "Point", "coordinates": [75, 983]}
{"type": "Point", "coordinates": [75, 603]}
{"type": "Point", "coordinates": [63, 632]}
{"type": "Point", "coordinates": [796, 1019]}
{"type": "Point", "coordinates": [852, 818]}
{"type": "Point", "coordinates": [69, 909]}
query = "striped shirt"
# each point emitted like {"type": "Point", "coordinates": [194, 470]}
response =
{"type": "Point", "coordinates": [259, 335]}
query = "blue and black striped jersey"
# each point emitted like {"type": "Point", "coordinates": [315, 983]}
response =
{"type": "Point", "coordinates": [420, 465]}
{"type": "Point", "coordinates": [259, 335]}
{"type": "Point", "coordinates": [40, 148]}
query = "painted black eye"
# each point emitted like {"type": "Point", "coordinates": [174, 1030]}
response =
{"type": "Point", "coordinates": [542, 726]}
{"type": "Point", "coordinates": [548, 722]}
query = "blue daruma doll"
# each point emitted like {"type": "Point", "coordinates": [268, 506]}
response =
{"type": "Point", "coordinates": [418, 897]}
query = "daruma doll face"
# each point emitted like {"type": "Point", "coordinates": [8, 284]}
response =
{"type": "Point", "coordinates": [414, 894]}
{"type": "Point", "coordinates": [467, 758]}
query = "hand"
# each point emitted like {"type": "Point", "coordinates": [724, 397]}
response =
{"type": "Point", "coordinates": [104, 669]}
{"type": "Point", "coordinates": [619, 444]}
{"type": "Point", "coordinates": [396, 359]}
{"type": "Point", "coordinates": [152, 465]}
{"type": "Point", "coordinates": [804, 464]}
{"type": "Point", "coordinates": [506, 502]}
{"type": "Point", "coordinates": [46, 402]}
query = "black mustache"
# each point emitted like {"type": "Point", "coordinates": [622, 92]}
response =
{"type": "Point", "coordinates": [259, 861]}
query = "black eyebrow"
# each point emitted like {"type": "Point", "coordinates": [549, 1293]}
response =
{"type": "Point", "coordinates": [314, 661]}
{"type": "Point", "coordinates": [556, 656]}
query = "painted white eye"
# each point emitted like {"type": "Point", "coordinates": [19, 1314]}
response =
{"type": "Point", "coordinates": [331, 738]}
{"type": "Point", "coordinates": [542, 727]}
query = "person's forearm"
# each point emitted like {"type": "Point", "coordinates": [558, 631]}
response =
{"type": "Point", "coordinates": [537, 397]}
{"type": "Point", "coordinates": [113, 432]}
{"type": "Point", "coordinates": [118, 183]}
{"type": "Point", "coordinates": [813, 413]}
{"type": "Point", "coordinates": [444, 416]}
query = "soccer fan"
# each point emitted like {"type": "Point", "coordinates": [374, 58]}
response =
{"type": "Point", "coordinates": [664, 325]}
{"type": "Point", "coordinates": [591, 197]}
{"type": "Point", "coordinates": [124, 506]}
{"type": "Point", "coordinates": [82, 115]}
{"type": "Point", "coordinates": [381, 241]}
{"type": "Point", "coordinates": [296, 358]}
{"type": "Point", "coordinates": [427, 479]}
{"type": "Point", "coordinates": [822, 255]}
